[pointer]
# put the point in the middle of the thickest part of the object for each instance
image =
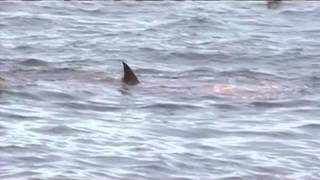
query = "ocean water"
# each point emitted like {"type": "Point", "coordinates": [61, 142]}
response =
{"type": "Point", "coordinates": [229, 90]}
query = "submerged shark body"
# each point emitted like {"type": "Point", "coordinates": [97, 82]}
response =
{"type": "Point", "coordinates": [130, 78]}
{"type": "Point", "coordinates": [63, 79]}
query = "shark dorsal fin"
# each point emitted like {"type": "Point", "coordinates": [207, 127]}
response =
{"type": "Point", "coordinates": [128, 75]}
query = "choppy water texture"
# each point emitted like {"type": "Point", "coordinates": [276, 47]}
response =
{"type": "Point", "coordinates": [230, 90]}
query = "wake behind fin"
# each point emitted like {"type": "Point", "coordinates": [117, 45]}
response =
{"type": "Point", "coordinates": [128, 75]}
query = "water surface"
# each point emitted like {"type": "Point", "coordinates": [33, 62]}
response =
{"type": "Point", "coordinates": [65, 115]}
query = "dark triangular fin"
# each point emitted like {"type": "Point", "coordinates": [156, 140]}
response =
{"type": "Point", "coordinates": [128, 75]}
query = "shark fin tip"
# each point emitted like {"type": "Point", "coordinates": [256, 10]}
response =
{"type": "Point", "coordinates": [129, 76]}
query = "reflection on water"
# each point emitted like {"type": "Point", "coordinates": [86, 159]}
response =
{"type": "Point", "coordinates": [229, 90]}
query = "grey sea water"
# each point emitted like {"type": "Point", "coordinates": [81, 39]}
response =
{"type": "Point", "coordinates": [230, 90]}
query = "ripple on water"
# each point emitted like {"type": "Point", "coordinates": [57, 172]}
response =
{"type": "Point", "coordinates": [17, 115]}
{"type": "Point", "coordinates": [22, 94]}
{"type": "Point", "coordinates": [13, 149]}
{"type": "Point", "coordinates": [88, 106]}
{"type": "Point", "coordinates": [61, 119]}
{"type": "Point", "coordinates": [283, 104]}
{"type": "Point", "coordinates": [60, 130]}
{"type": "Point", "coordinates": [56, 95]}
{"type": "Point", "coordinates": [174, 106]}
{"type": "Point", "coordinates": [310, 128]}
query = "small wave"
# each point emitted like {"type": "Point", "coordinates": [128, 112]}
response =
{"type": "Point", "coordinates": [312, 126]}
{"type": "Point", "coordinates": [312, 81]}
{"type": "Point", "coordinates": [33, 62]}
{"type": "Point", "coordinates": [56, 70]}
{"type": "Point", "coordinates": [59, 130]}
{"type": "Point", "coordinates": [56, 95]}
{"type": "Point", "coordinates": [170, 106]}
{"type": "Point", "coordinates": [23, 48]}
{"type": "Point", "coordinates": [151, 71]}
{"type": "Point", "coordinates": [24, 95]}
{"type": "Point", "coordinates": [88, 106]}
{"type": "Point", "coordinates": [226, 106]}
{"type": "Point", "coordinates": [198, 71]}
{"type": "Point", "coordinates": [280, 104]}
{"type": "Point", "coordinates": [268, 104]}
{"type": "Point", "coordinates": [18, 116]}
{"type": "Point", "coordinates": [12, 148]}
{"type": "Point", "coordinates": [297, 13]}
{"type": "Point", "coordinates": [192, 22]}
{"type": "Point", "coordinates": [29, 20]}
{"type": "Point", "coordinates": [33, 159]}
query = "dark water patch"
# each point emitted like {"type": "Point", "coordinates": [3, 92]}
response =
{"type": "Point", "coordinates": [170, 107]}
{"type": "Point", "coordinates": [190, 23]}
{"type": "Point", "coordinates": [30, 21]}
{"type": "Point", "coordinates": [283, 104]}
{"type": "Point", "coordinates": [211, 98]}
{"type": "Point", "coordinates": [22, 95]}
{"type": "Point", "coordinates": [33, 159]}
{"type": "Point", "coordinates": [26, 49]}
{"type": "Point", "coordinates": [59, 130]}
{"type": "Point", "coordinates": [50, 74]}
{"type": "Point", "coordinates": [297, 13]}
{"type": "Point", "coordinates": [153, 49]}
{"type": "Point", "coordinates": [283, 135]}
{"type": "Point", "coordinates": [310, 128]}
{"type": "Point", "coordinates": [88, 106]}
{"type": "Point", "coordinates": [17, 116]}
{"type": "Point", "coordinates": [13, 149]}
{"type": "Point", "coordinates": [313, 82]}
{"type": "Point", "coordinates": [33, 62]}
{"type": "Point", "coordinates": [227, 107]}
{"type": "Point", "coordinates": [58, 70]}
{"type": "Point", "coordinates": [289, 134]}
